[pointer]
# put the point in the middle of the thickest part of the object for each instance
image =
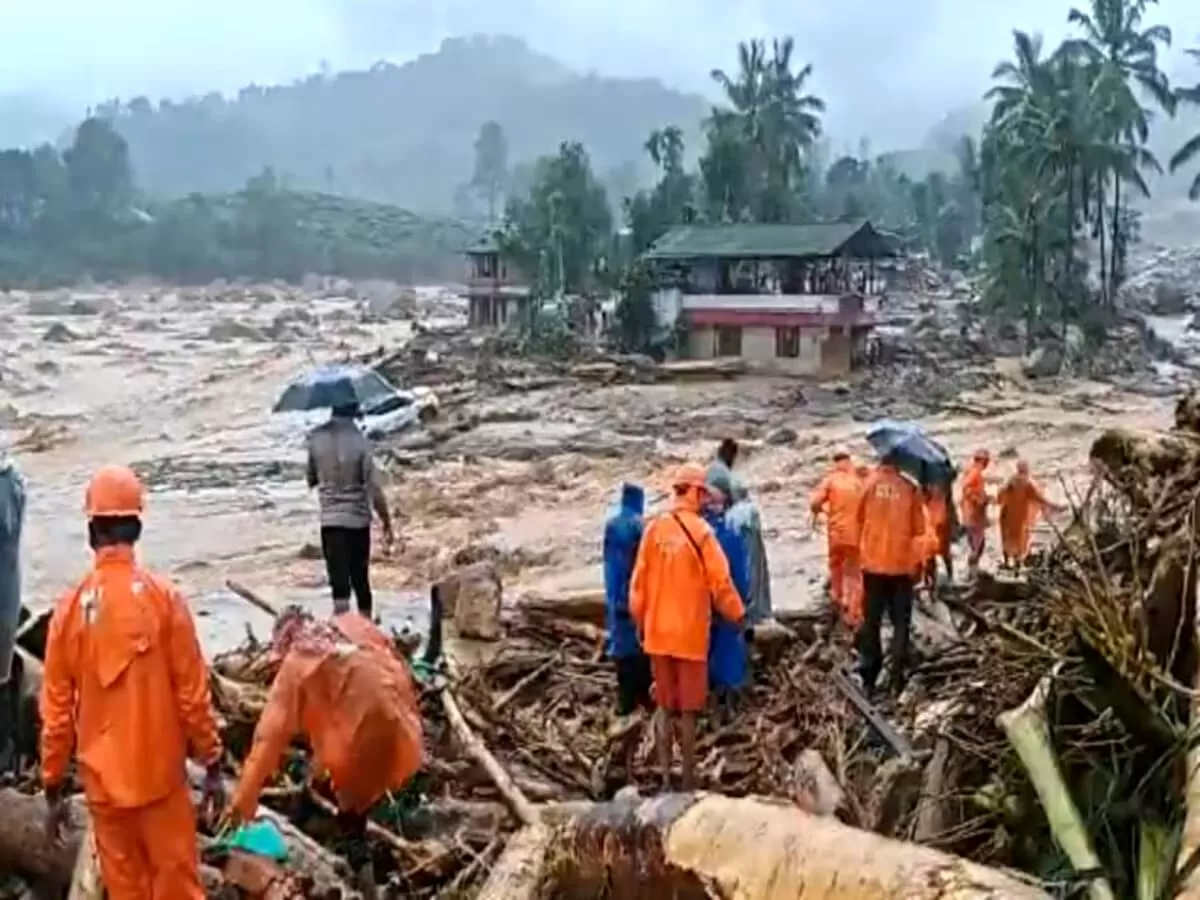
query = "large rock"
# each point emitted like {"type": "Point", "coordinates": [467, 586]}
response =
{"type": "Point", "coordinates": [1044, 362]}
{"type": "Point", "coordinates": [471, 597]}
{"type": "Point", "coordinates": [1170, 299]}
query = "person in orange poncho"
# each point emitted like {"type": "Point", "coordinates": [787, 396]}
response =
{"type": "Point", "coordinates": [974, 508]}
{"type": "Point", "coordinates": [680, 575]}
{"type": "Point", "coordinates": [341, 685]}
{"type": "Point", "coordinates": [1021, 501]}
{"type": "Point", "coordinates": [892, 532]}
{"type": "Point", "coordinates": [837, 496]}
{"type": "Point", "coordinates": [938, 527]}
{"type": "Point", "coordinates": [125, 684]}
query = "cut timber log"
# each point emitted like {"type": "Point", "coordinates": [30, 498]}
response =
{"type": "Point", "coordinates": [737, 849]}
{"type": "Point", "coordinates": [1150, 452]}
{"type": "Point", "coordinates": [1029, 735]}
{"type": "Point", "coordinates": [584, 606]}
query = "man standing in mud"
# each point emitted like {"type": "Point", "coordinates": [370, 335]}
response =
{"type": "Point", "coordinates": [342, 470]}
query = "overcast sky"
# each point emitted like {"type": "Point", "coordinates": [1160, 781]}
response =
{"type": "Point", "coordinates": [889, 68]}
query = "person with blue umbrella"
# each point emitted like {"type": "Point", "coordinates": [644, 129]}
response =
{"type": "Point", "coordinates": [342, 469]}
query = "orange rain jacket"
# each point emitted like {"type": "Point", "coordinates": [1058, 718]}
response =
{"type": "Point", "coordinates": [358, 708]}
{"type": "Point", "coordinates": [680, 574]}
{"type": "Point", "coordinates": [838, 494]}
{"type": "Point", "coordinates": [126, 684]}
{"type": "Point", "coordinates": [974, 498]}
{"type": "Point", "coordinates": [891, 518]}
{"type": "Point", "coordinates": [937, 526]}
{"type": "Point", "coordinates": [1021, 501]}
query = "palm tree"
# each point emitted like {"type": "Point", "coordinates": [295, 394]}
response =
{"type": "Point", "coordinates": [1191, 148]}
{"type": "Point", "coordinates": [1114, 37]}
{"type": "Point", "coordinates": [774, 117]}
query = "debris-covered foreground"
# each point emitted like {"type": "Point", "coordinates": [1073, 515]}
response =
{"type": "Point", "coordinates": [1045, 730]}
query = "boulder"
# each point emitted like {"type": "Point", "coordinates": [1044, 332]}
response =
{"type": "Point", "coordinates": [1170, 299]}
{"type": "Point", "coordinates": [471, 598]}
{"type": "Point", "coordinates": [1044, 362]}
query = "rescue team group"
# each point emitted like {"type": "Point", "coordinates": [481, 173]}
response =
{"type": "Point", "coordinates": [685, 589]}
{"type": "Point", "coordinates": [126, 687]}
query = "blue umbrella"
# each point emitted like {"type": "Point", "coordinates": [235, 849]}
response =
{"type": "Point", "coordinates": [335, 385]}
{"type": "Point", "coordinates": [913, 451]}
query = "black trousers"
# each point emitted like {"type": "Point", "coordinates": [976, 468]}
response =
{"type": "Point", "coordinates": [347, 554]}
{"type": "Point", "coordinates": [890, 595]}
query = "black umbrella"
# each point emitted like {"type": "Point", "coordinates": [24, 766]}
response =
{"type": "Point", "coordinates": [335, 385]}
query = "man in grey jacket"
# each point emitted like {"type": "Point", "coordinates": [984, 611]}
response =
{"type": "Point", "coordinates": [341, 468]}
{"type": "Point", "coordinates": [12, 518]}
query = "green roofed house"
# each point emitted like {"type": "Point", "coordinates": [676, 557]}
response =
{"type": "Point", "coordinates": [799, 299]}
{"type": "Point", "coordinates": [497, 292]}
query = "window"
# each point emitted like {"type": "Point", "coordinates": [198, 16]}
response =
{"type": "Point", "coordinates": [787, 342]}
{"type": "Point", "coordinates": [728, 340]}
{"type": "Point", "coordinates": [487, 266]}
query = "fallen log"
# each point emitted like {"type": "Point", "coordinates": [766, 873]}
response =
{"type": "Point", "coordinates": [1029, 735]}
{"type": "Point", "coordinates": [24, 847]}
{"type": "Point", "coordinates": [475, 748]}
{"type": "Point", "coordinates": [736, 849]}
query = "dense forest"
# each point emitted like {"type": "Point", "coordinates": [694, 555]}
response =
{"type": "Point", "coordinates": [79, 213]}
{"type": "Point", "coordinates": [399, 134]}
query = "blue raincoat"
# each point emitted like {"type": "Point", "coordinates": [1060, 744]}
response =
{"type": "Point", "coordinates": [727, 665]}
{"type": "Point", "coordinates": [622, 536]}
{"type": "Point", "coordinates": [12, 517]}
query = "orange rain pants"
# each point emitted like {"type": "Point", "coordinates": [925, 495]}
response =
{"type": "Point", "coordinates": [149, 853]}
{"type": "Point", "coordinates": [838, 496]}
{"type": "Point", "coordinates": [845, 582]}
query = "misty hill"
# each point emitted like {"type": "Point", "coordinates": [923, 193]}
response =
{"type": "Point", "coordinates": [402, 134]}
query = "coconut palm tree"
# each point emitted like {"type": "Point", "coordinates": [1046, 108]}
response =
{"type": "Point", "coordinates": [1115, 36]}
{"type": "Point", "coordinates": [1191, 149]}
{"type": "Point", "coordinates": [774, 118]}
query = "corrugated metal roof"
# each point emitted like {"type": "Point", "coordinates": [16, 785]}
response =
{"type": "Point", "coordinates": [761, 240]}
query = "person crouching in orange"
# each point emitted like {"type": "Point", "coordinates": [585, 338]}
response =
{"type": "Point", "coordinates": [974, 507]}
{"type": "Point", "coordinates": [837, 496]}
{"type": "Point", "coordinates": [126, 685]}
{"type": "Point", "coordinates": [1021, 501]}
{"type": "Point", "coordinates": [680, 576]}
{"type": "Point", "coordinates": [341, 686]}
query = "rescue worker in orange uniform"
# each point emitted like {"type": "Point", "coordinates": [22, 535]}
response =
{"type": "Point", "coordinates": [892, 534]}
{"type": "Point", "coordinates": [126, 685]}
{"type": "Point", "coordinates": [342, 687]}
{"type": "Point", "coordinates": [680, 575]}
{"type": "Point", "coordinates": [938, 527]}
{"type": "Point", "coordinates": [974, 508]}
{"type": "Point", "coordinates": [1021, 501]}
{"type": "Point", "coordinates": [838, 496]}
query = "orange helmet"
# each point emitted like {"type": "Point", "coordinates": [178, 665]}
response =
{"type": "Point", "coordinates": [114, 491]}
{"type": "Point", "coordinates": [982, 456]}
{"type": "Point", "coordinates": [690, 475]}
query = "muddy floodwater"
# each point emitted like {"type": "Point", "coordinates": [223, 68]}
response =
{"type": "Point", "coordinates": [180, 384]}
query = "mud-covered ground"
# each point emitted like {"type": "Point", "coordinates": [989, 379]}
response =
{"type": "Point", "coordinates": [180, 385]}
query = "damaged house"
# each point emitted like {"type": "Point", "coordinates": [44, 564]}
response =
{"type": "Point", "coordinates": [795, 299]}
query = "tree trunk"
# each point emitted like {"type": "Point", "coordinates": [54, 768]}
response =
{"type": "Point", "coordinates": [24, 847]}
{"type": "Point", "coordinates": [1116, 238]}
{"type": "Point", "coordinates": [692, 846]}
{"type": "Point", "coordinates": [1105, 287]}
